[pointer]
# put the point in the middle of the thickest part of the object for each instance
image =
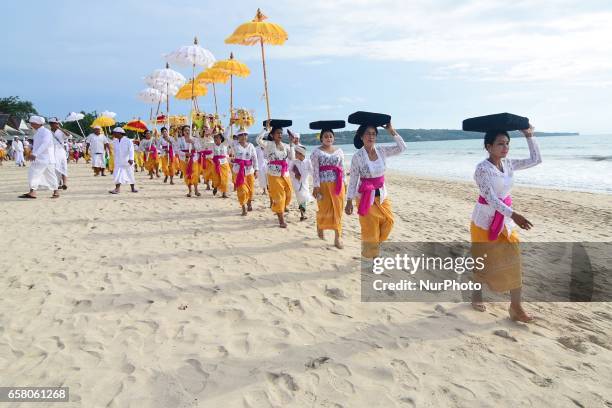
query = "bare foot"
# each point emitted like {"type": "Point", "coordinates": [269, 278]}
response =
{"type": "Point", "coordinates": [338, 244]}
{"type": "Point", "coordinates": [518, 314]}
{"type": "Point", "coordinates": [479, 306]}
{"type": "Point", "coordinates": [320, 234]}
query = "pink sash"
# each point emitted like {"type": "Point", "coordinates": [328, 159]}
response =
{"type": "Point", "coordinates": [498, 219]}
{"type": "Point", "coordinates": [215, 160]}
{"type": "Point", "coordinates": [241, 171]}
{"type": "Point", "coordinates": [202, 157]}
{"type": "Point", "coordinates": [367, 186]}
{"type": "Point", "coordinates": [282, 163]}
{"type": "Point", "coordinates": [153, 151]}
{"type": "Point", "coordinates": [338, 171]}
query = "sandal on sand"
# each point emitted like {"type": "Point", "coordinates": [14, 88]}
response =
{"type": "Point", "coordinates": [479, 306]}
{"type": "Point", "coordinates": [520, 317]}
{"type": "Point", "coordinates": [188, 195]}
{"type": "Point", "coordinates": [55, 196]}
{"type": "Point", "coordinates": [26, 196]}
{"type": "Point", "coordinates": [113, 192]}
{"type": "Point", "coordinates": [198, 194]}
{"type": "Point", "coordinates": [64, 187]}
{"type": "Point", "coordinates": [134, 191]}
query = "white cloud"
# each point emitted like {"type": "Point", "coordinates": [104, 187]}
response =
{"type": "Point", "coordinates": [490, 40]}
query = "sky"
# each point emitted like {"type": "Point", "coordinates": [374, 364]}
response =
{"type": "Point", "coordinates": [427, 63]}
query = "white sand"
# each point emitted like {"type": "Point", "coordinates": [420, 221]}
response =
{"type": "Point", "coordinates": [92, 296]}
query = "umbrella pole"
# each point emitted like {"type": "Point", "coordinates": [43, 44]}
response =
{"type": "Point", "coordinates": [231, 104]}
{"type": "Point", "coordinates": [192, 89]}
{"type": "Point", "coordinates": [80, 128]}
{"type": "Point", "coordinates": [168, 105]}
{"type": "Point", "coordinates": [215, 95]}
{"type": "Point", "coordinates": [263, 60]}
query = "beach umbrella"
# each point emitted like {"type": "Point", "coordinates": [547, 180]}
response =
{"type": "Point", "coordinates": [191, 55]}
{"type": "Point", "coordinates": [259, 32]}
{"type": "Point", "coordinates": [232, 67]}
{"type": "Point", "coordinates": [137, 126]}
{"type": "Point", "coordinates": [213, 76]}
{"type": "Point", "coordinates": [76, 117]}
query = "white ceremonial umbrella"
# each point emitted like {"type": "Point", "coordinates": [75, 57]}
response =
{"type": "Point", "coordinates": [75, 117]}
{"type": "Point", "coordinates": [167, 81]}
{"type": "Point", "coordinates": [192, 55]}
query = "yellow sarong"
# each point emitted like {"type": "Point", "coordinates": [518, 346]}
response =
{"type": "Point", "coordinates": [195, 175]}
{"type": "Point", "coordinates": [245, 191]}
{"type": "Point", "coordinates": [331, 207]}
{"type": "Point", "coordinates": [502, 271]}
{"type": "Point", "coordinates": [280, 191]}
{"type": "Point", "coordinates": [376, 226]}
{"type": "Point", "coordinates": [220, 181]}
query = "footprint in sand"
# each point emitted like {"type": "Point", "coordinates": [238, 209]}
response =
{"type": "Point", "coordinates": [192, 376]}
{"type": "Point", "coordinates": [281, 387]}
{"type": "Point", "coordinates": [337, 373]}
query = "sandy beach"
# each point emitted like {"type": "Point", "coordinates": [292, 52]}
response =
{"type": "Point", "coordinates": [157, 300]}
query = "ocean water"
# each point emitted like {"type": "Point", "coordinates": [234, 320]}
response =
{"type": "Point", "coordinates": [578, 163]}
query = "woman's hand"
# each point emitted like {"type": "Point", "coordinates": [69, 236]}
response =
{"type": "Point", "coordinates": [521, 221]}
{"type": "Point", "coordinates": [316, 191]}
{"type": "Point", "coordinates": [389, 128]}
{"type": "Point", "coordinates": [528, 132]}
{"type": "Point", "coordinates": [348, 210]}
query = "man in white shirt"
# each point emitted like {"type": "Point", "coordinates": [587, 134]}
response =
{"type": "Point", "coordinates": [61, 158]}
{"type": "Point", "coordinates": [97, 145]}
{"type": "Point", "coordinates": [124, 161]}
{"type": "Point", "coordinates": [42, 170]}
{"type": "Point", "coordinates": [17, 147]}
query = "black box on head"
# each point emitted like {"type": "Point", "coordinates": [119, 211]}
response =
{"type": "Point", "coordinates": [498, 121]}
{"type": "Point", "coordinates": [278, 123]}
{"type": "Point", "coordinates": [369, 118]}
{"type": "Point", "coordinates": [327, 124]}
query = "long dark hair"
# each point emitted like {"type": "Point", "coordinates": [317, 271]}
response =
{"type": "Point", "coordinates": [323, 132]}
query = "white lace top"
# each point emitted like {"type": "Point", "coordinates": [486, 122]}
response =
{"type": "Point", "coordinates": [495, 185]}
{"type": "Point", "coordinates": [362, 166]}
{"type": "Point", "coordinates": [193, 147]}
{"type": "Point", "coordinates": [321, 158]}
{"type": "Point", "coordinates": [272, 153]}
{"type": "Point", "coordinates": [245, 153]}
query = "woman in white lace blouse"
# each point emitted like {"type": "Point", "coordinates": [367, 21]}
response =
{"type": "Point", "coordinates": [367, 184]}
{"type": "Point", "coordinates": [278, 155]}
{"type": "Point", "coordinates": [328, 180]}
{"type": "Point", "coordinates": [494, 221]}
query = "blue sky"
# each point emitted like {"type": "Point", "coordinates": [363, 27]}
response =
{"type": "Point", "coordinates": [430, 64]}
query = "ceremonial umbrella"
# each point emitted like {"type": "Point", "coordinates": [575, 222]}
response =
{"type": "Point", "coordinates": [191, 55]}
{"type": "Point", "coordinates": [166, 80]}
{"type": "Point", "coordinates": [75, 117]}
{"type": "Point", "coordinates": [232, 67]}
{"type": "Point", "coordinates": [103, 121]}
{"type": "Point", "coordinates": [262, 32]}
{"type": "Point", "coordinates": [191, 91]}
{"type": "Point", "coordinates": [152, 96]}
{"type": "Point", "coordinates": [213, 76]}
{"type": "Point", "coordinates": [137, 126]}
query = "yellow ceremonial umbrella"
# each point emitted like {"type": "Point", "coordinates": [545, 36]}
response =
{"type": "Point", "coordinates": [232, 67]}
{"type": "Point", "coordinates": [191, 91]}
{"type": "Point", "coordinates": [103, 121]}
{"type": "Point", "coordinates": [259, 31]}
{"type": "Point", "coordinates": [213, 76]}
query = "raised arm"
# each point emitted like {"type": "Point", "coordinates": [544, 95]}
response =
{"type": "Point", "coordinates": [260, 138]}
{"type": "Point", "coordinates": [399, 147]}
{"type": "Point", "coordinates": [484, 180]}
{"type": "Point", "coordinates": [534, 153]}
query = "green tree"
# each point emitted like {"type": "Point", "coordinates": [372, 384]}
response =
{"type": "Point", "coordinates": [85, 123]}
{"type": "Point", "coordinates": [14, 106]}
